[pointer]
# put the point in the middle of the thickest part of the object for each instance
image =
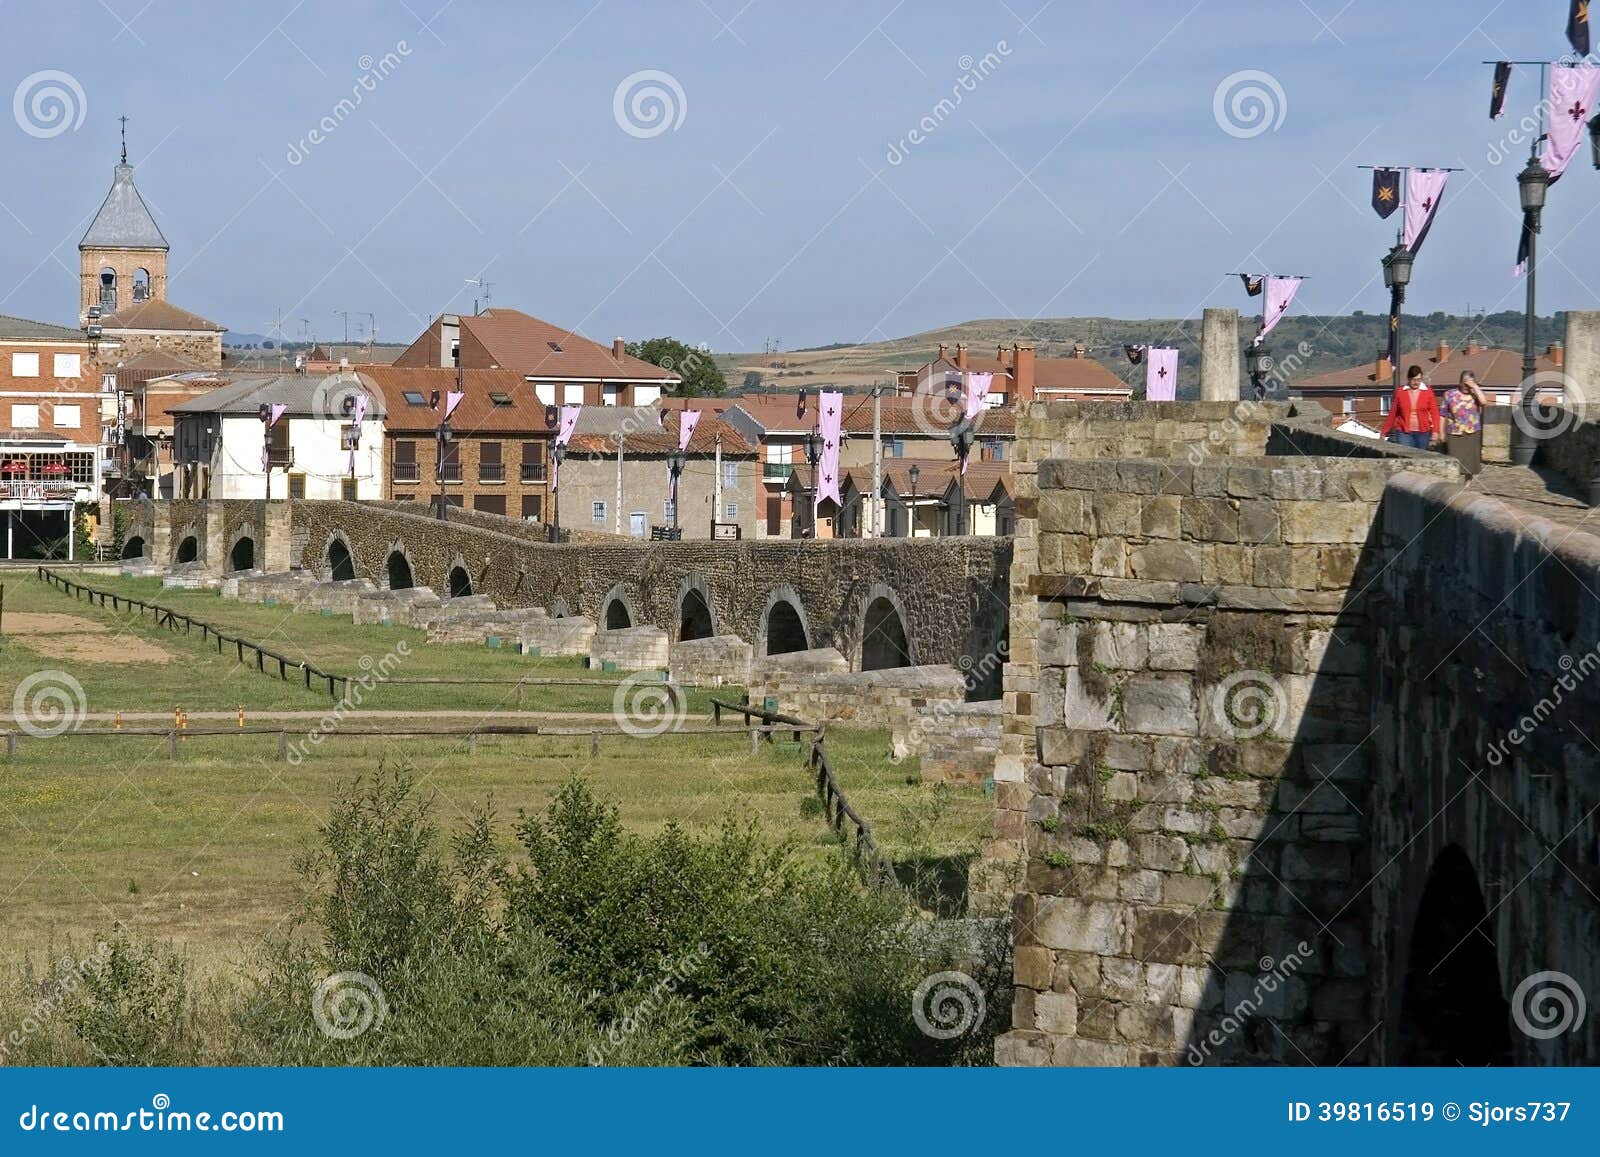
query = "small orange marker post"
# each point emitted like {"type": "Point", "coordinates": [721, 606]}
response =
{"type": "Point", "coordinates": [116, 724]}
{"type": "Point", "coordinates": [183, 726]}
{"type": "Point", "coordinates": [241, 715]}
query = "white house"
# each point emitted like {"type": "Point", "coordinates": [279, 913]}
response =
{"type": "Point", "coordinates": [223, 448]}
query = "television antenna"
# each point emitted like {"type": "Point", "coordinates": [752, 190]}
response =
{"type": "Point", "coordinates": [483, 287]}
{"type": "Point", "coordinates": [344, 313]}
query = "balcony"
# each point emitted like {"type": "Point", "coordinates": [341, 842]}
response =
{"type": "Point", "coordinates": [777, 471]}
{"type": "Point", "coordinates": [491, 472]}
{"type": "Point", "coordinates": [533, 472]}
{"type": "Point", "coordinates": [407, 472]}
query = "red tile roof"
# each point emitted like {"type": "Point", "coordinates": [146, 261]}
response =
{"type": "Point", "coordinates": [901, 416]}
{"type": "Point", "coordinates": [478, 411]}
{"type": "Point", "coordinates": [657, 439]}
{"type": "Point", "coordinates": [1497, 369]}
{"type": "Point", "coordinates": [509, 339]}
{"type": "Point", "coordinates": [158, 315]}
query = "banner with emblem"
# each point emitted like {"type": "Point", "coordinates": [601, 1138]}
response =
{"type": "Point", "coordinates": [1161, 380]}
{"type": "Point", "coordinates": [1385, 192]}
{"type": "Point", "coordinates": [830, 422]}
{"type": "Point", "coordinates": [1572, 99]}
{"type": "Point", "coordinates": [1424, 191]}
{"type": "Point", "coordinates": [1578, 27]}
{"type": "Point", "coordinates": [1280, 292]}
{"type": "Point", "coordinates": [1502, 82]}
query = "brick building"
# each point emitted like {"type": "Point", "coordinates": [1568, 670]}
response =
{"type": "Point", "coordinates": [1020, 376]}
{"type": "Point", "coordinates": [498, 459]}
{"type": "Point", "coordinates": [562, 367]}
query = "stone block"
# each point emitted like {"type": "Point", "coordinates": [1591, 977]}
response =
{"type": "Point", "coordinates": [1160, 517]}
{"type": "Point", "coordinates": [1169, 561]}
{"type": "Point", "coordinates": [1259, 522]}
{"type": "Point", "coordinates": [1033, 967]}
{"type": "Point", "coordinates": [1079, 926]}
{"type": "Point", "coordinates": [1159, 705]}
{"type": "Point", "coordinates": [1211, 519]}
{"type": "Point", "coordinates": [1056, 1013]}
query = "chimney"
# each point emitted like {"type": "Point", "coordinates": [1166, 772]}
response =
{"type": "Point", "coordinates": [1384, 370]}
{"type": "Point", "coordinates": [1021, 374]}
{"type": "Point", "coordinates": [1000, 354]}
{"type": "Point", "coordinates": [1080, 351]}
{"type": "Point", "coordinates": [1474, 347]}
{"type": "Point", "coordinates": [944, 352]}
{"type": "Point", "coordinates": [619, 348]}
{"type": "Point", "coordinates": [1557, 353]}
{"type": "Point", "coordinates": [1442, 354]}
{"type": "Point", "coordinates": [961, 355]}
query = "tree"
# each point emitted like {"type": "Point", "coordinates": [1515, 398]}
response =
{"type": "Point", "coordinates": [698, 369]}
{"type": "Point", "coordinates": [753, 380]}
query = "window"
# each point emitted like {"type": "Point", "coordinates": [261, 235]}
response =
{"type": "Point", "coordinates": [555, 347]}
{"type": "Point", "coordinates": [278, 446]}
{"type": "Point", "coordinates": [68, 417]}
{"type": "Point", "coordinates": [24, 365]}
{"type": "Point", "coordinates": [730, 512]}
{"type": "Point", "coordinates": [450, 462]}
{"type": "Point", "coordinates": [533, 507]}
{"type": "Point", "coordinates": [68, 366]}
{"type": "Point", "coordinates": [994, 450]}
{"type": "Point", "coordinates": [646, 395]}
{"type": "Point", "coordinates": [1383, 405]}
{"type": "Point", "coordinates": [405, 462]}
{"type": "Point", "coordinates": [414, 398]}
{"type": "Point", "coordinates": [730, 475]}
{"type": "Point", "coordinates": [489, 503]}
{"type": "Point", "coordinates": [499, 397]}
{"type": "Point", "coordinates": [405, 497]}
{"type": "Point", "coordinates": [490, 467]}
{"type": "Point", "coordinates": [1349, 405]}
{"type": "Point", "coordinates": [297, 486]}
{"type": "Point", "coordinates": [669, 510]}
{"type": "Point", "coordinates": [572, 394]}
{"type": "Point", "coordinates": [347, 489]}
{"type": "Point", "coordinates": [24, 416]}
{"type": "Point", "coordinates": [533, 461]}
{"type": "Point", "coordinates": [894, 448]}
{"type": "Point", "coordinates": [545, 392]}
{"type": "Point", "coordinates": [609, 394]}
{"type": "Point", "coordinates": [779, 462]}
{"type": "Point", "coordinates": [597, 512]}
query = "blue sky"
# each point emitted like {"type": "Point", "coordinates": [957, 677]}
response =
{"type": "Point", "coordinates": [1086, 173]}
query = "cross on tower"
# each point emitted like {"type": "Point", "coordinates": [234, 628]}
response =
{"type": "Point", "coordinates": [124, 121]}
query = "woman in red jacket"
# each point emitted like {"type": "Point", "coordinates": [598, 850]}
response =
{"type": "Point", "coordinates": [1414, 413]}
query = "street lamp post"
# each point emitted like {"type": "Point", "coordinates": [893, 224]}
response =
{"type": "Point", "coordinates": [1256, 360]}
{"type": "Point", "coordinates": [1594, 140]}
{"type": "Point", "coordinates": [911, 519]}
{"type": "Point", "coordinates": [813, 457]}
{"type": "Point", "coordinates": [675, 465]}
{"type": "Point", "coordinates": [558, 455]}
{"type": "Point", "coordinates": [1533, 183]}
{"type": "Point", "coordinates": [1396, 276]}
{"type": "Point", "coordinates": [961, 437]}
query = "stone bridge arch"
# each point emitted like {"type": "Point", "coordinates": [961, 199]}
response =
{"type": "Point", "coordinates": [784, 625]}
{"type": "Point", "coordinates": [188, 548]}
{"type": "Point", "coordinates": [338, 560]}
{"type": "Point", "coordinates": [399, 569]}
{"type": "Point", "coordinates": [134, 547]}
{"type": "Point", "coordinates": [458, 579]}
{"type": "Point", "coordinates": [618, 611]}
{"type": "Point", "coordinates": [244, 552]}
{"type": "Point", "coordinates": [882, 638]}
{"type": "Point", "coordinates": [694, 612]}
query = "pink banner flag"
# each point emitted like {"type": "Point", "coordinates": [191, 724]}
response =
{"type": "Point", "coordinates": [277, 412]}
{"type": "Point", "coordinates": [1280, 292]}
{"type": "Point", "coordinates": [1424, 191]}
{"type": "Point", "coordinates": [1161, 379]}
{"type": "Point", "coordinates": [569, 423]}
{"type": "Point", "coordinates": [360, 408]}
{"type": "Point", "coordinates": [830, 421]}
{"type": "Point", "coordinates": [977, 392]}
{"type": "Point", "coordinates": [266, 460]}
{"type": "Point", "coordinates": [451, 401]}
{"type": "Point", "coordinates": [686, 425]}
{"type": "Point", "coordinates": [1573, 95]}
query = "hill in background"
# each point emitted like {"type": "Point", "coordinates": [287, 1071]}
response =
{"type": "Point", "coordinates": [1333, 342]}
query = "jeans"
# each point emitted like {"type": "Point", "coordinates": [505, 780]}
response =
{"type": "Point", "coordinates": [1417, 441]}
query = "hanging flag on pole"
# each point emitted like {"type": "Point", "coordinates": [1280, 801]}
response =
{"type": "Point", "coordinates": [1394, 332]}
{"type": "Point", "coordinates": [569, 423]}
{"type": "Point", "coordinates": [1252, 284]}
{"type": "Point", "coordinates": [1578, 27]}
{"type": "Point", "coordinates": [451, 401]}
{"type": "Point", "coordinates": [1524, 248]}
{"type": "Point", "coordinates": [1280, 292]}
{"type": "Point", "coordinates": [687, 421]}
{"type": "Point", "coordinates": [1573, 92]}
{"type": "Point", "coordinates": [978, 386]}
{"type": "Point", "coordinates": [1502, 81]}
{"type": "Point", "coordinates": [1424, 191]}
{"type": "Point", "coordinates": [1385, 191]}
{"type": "Point", "coordinates": [1161, 382]}
{"type": "Point", "coordinates": [277, 412]}
{"type": "Point", "coordinates": [830, 421]}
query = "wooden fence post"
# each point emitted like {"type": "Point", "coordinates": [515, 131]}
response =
{"type": "Point", "coordinates": [283, 746]}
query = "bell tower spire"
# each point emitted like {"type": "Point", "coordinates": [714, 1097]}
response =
{"type": "Point", "coordinates": [124, 121]}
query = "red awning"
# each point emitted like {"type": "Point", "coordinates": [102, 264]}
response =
{"type": "Point", "coordinates": [57, 468]}
{"type": "Point", "coordinates": [15, 466]}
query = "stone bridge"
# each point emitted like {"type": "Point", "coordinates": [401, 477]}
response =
{"type": "Point", "coordinates": [1300, 759]}
{"type": "Point", "coordinates": [880, 603]}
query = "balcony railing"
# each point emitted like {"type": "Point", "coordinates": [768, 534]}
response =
{"type": "Point", "coordinates": [56, 488]}
{"type": "Point", "coordinates": [533, 472]}
{"type": "Point", "coordinates": [491, 472]}
{"type": "Point", "coordinates": [407, 472]}
{"type": "Point", "coordinates": [777, 471]}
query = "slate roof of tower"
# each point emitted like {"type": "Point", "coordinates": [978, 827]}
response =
{"type": "Point", "coordinates": [124, 222]}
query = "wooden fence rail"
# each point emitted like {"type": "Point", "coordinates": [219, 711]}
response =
{"type": "Point", "coordinates": [178, 621]}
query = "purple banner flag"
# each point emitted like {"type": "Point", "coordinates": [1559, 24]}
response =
{"type": "Point", "coordinates": [451, 401]}
{"type": "Point", "coordinates": [1572, 100]}
{"type": "Point", "coordinates": [277, 412]}
{"type": "Point", "coordinates": [830, 421]}
{"type": "Point", "coordinates": [1280, 292]}
{"type": "Point", "coordinates": [686, 424]}
{"type": "Point", "coordinates": [978, 386]}
{"type": "Point", "coordinates": [569, 422]}
{"type": "Point", "coordinates": [1161, 382]}
{"type": "Point", "coordinates": [1424, 191]}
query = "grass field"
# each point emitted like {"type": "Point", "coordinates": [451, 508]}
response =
{"type": "Point", "coordinates": [198, 849]}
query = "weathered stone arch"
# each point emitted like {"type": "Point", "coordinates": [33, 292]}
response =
{"type": "Point", "coordinates": [133, 547]}
{"type": "Point", "coordinates": [784, 626]}
{"type": "Point", "coordinates": [558, 609]}
{"type": "Point", "coordinates": [337, 558]}
{"type": "Point", "coordinates": [188, 549]}
{"type": "Point", "coordinates": [399, 572]}
{"type": "Point", "coordinates": [1453, 1009]}
{"type": "Point", "coordinates": [882, 639]}
{"type": "Point", "coordinates": [458, 582]}
{"type": "Point", "coordinates": [617, 611]}
{"type": "Point", "coordinates": [244, 550]}
{"type": "Point", "coordinates": [694, 615]}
